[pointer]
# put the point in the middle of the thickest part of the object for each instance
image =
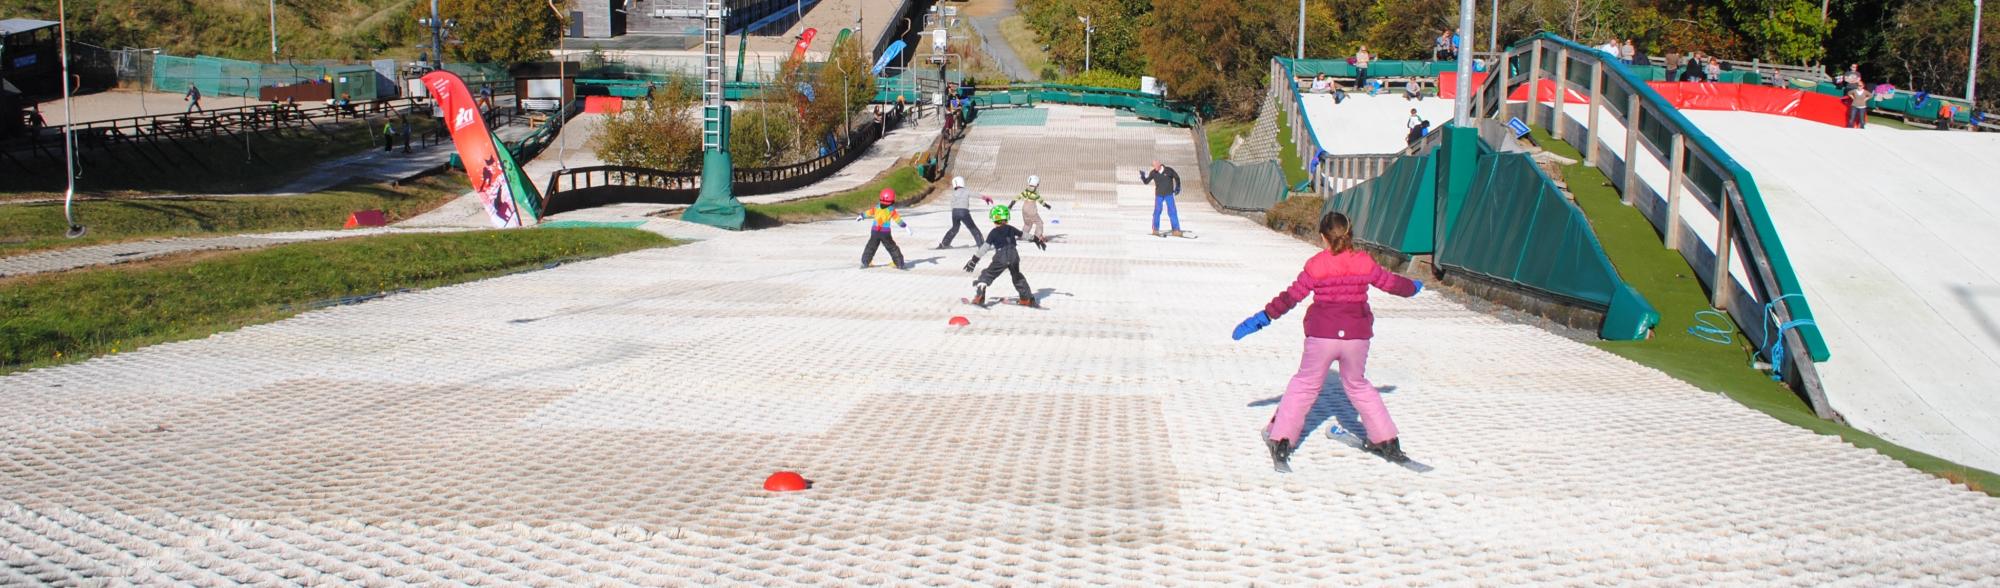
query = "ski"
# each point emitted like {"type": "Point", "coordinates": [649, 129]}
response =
{"type": "Point", "coordinates": [1183, 235]}
{"type": "Point", "coordinates": [1347, 438]}
{"type": "Point", "coordinates": [992, 302]}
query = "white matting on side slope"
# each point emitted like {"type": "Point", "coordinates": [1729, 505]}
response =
{"type": "Point", "coordinates": [1895, 235]}
{"type": "Point", "coordinates": [1364, 124]}
{"type": "Point", "coordinates": [611, 422]}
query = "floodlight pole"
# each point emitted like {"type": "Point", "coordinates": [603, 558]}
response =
{"type": "Point", "coordinates": [1492, 34]}
{"type": "Point", "coordinates": [1087, 30]}
{"type": "Point", "coordinates": [69, 122]}
{"type": "Point", "coordinates": [1462, 111]}
{"type": "Point", "coordinates": [1302, 31]}
{"type": "Point", "coordinates": [437, 38]}
{"type": "Point", "coordinates": [1972, 66]}
{"type": "Point", "coordinates": [274, 31]}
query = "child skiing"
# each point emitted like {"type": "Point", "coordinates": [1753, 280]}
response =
{"type": "Point", "coordinates": [1001, 241]}
{"type": "Point", "coordinates": [961, 214]}
{"type": "Point", "coordinates": [1338, 326]}
{"type": "Point", "coordinates": [878, 234]}
{"type": "Point", "coordinates": [1031, 219]}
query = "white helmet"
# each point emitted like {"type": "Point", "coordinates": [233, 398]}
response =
{"type": "Point", "coordinates": [1034, 181]}
{"type": "Point", "coordinates": [958, 181]}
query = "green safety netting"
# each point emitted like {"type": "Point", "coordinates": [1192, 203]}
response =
{"type": "Point", "coordinates": [1255, 186]}
{"type": "Point", "coordinates": [1518, 227]}
{"type": "Point", "coordinates": [216, 76]}
{"type": "Point", "coordinates": [1397, 210]}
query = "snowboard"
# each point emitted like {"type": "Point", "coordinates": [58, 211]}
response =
{"type": "Point", "coordinates": [1346, 437]}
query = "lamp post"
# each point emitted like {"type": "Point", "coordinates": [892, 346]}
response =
{"type": "Point", "coordinates": [562, 87]}
{"type": "Point", "coordinates": [69, 119]}
{"type": "Point", "coordinates": [1972, 67]}
{"type": "Point", "coordinates": [1492, 34]}
{"type": "Point", "coordinates": [437, 38]}
{"type": "Point", "coordinates": [274, 31]}
{"type": "Point", "coordinates": [1462, 110]}
{"type": "Point", "coordinates": [1302, 31]}
{"type": "Point", "coordinates": [1087, 30]}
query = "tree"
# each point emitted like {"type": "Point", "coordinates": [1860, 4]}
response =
{"type": "Point", "coordinates": [1785, 31]}
{"type": "Point", "coordinates": [508, 32]}
{"type": "Point", "coordinates": [1219, 52]}
{"type": "Point", "coordinates": [662, 132]}
{"type": "Point", "coordinates": [1926, 46]}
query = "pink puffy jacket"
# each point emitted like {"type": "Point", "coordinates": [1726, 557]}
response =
{"type": "Point", "coordinates": [1339, 285]}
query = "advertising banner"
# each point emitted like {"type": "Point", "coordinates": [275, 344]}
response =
{"type": "Point", "coordinates": [502, 191]}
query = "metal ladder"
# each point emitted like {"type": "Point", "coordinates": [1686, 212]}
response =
{"type": "Point", "coordinates": [711, 86]}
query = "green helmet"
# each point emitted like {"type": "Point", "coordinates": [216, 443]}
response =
{"type": "Point", "coordinates": [1000, 214]}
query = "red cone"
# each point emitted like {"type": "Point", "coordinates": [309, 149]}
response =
{"type": "Point", "coordinates": [786, 482]}
{"type": "Point", "coordinates": [959, 321]}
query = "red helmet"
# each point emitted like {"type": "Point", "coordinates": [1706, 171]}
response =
{"type": "Point", "coordinates": [888, 196]}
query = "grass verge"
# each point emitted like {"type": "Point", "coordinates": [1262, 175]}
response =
{"type": "Point", "coordinates": [1669, 284]}
{"type": "Point", "coordinates": [1026, 45]}
{"type": "Point", "coordinates": [1295, 215]}
{"type": "Point", "coordinates": [39, 226]}
{"type": "Point", "coordinates": [1288, 157]}
{"type": "Point", "coordinates": [903, 179]}
{"type": "Point", "coordinates": [60, 318]}
{"type": "Point", "coordinates": [1222, 135]}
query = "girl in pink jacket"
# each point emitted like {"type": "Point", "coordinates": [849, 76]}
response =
{"type": "Point", "coordinates": [1338, 326]}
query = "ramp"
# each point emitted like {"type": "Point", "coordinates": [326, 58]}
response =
{"type": "Point", "coordinates": [1364, 124]}
{"type": "Point", "coordinates": [1896, 235]}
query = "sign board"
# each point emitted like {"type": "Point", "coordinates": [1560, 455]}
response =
{"type": "Point", "coordinates": [1149, 85]}
{"type": "Point", "coordinates": [1520, 128]}
{"type": "Point", "coordinates": [939, 41]}
{"type": "Point", "coordinates": [550, 89]}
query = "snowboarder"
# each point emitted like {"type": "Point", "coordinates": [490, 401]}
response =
{"type": "Point", "coordinates": [878, 235]}
{"type": "Point", "coordinates": [1166, 186]}
{"type": "Point", "coordinates": [1031, 219]}
{"type": "Point", "coordinates": [1338, 327]}
{"type": "Point", "coordinates": [1001, 242]}
{"type": "Point", "coordinates": [961, 214]}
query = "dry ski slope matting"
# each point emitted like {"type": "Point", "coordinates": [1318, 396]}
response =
{"type": "Point", "coordinates": [612, 421]}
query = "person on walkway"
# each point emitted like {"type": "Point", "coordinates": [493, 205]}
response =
{"type": "Point", "coordinates": [388, 135]}
{"type": "Point", "coordinates": [1003, 242]}
{"type": "Point", "coordinates": [1413, 121]}
{"type": "Point", "coordinates": [1440, 45]}
{"type": "Point", "coordinates": [1338, 327]}
{"type": "Point", "coordinates": [1166, 186]}
{"type": "Point", "coordinates": [1857, 105]}
{"type": "Point", "coordinates": [1361, 59]}
{"type": "Point", "coordinates": [961, 214]}
{"type": "Point", "coordinates": [193, 98]}
{"type": "Point", "coordinates": [1627, 53]}
{"type": "Point", "coordinates": [878, 233]}
{"type": "Point", "coordinates": [1030, 216]}
{"type": "Point", "coordinates": [1713, 72]}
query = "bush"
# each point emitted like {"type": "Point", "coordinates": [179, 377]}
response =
{"type": "Point", "coordinates": [1099, 78]}
{"type": "Point", "coordinates": [662, 132]}
{"type": "Point", "coordinates": [1298, 215]}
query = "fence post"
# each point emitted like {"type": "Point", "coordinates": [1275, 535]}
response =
{"type": "Point", "coordinates": [1596, 104]}
{"type": "Point", "coordinates": [1534, 83]}
{"type": "Point", "coordinates": [1505, 71]}
{"type": "Point", "coordinates": [1677, 158]}
{"type": "Point", "coordinates": [1720, 286]}
{"type": "Point", "coordinates": [1556, 116]}
{"type": "Point", "coordinates": [1631, 148]}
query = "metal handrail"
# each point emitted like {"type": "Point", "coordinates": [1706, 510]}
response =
{"type": "Point", "coordinates": [1743, 224]}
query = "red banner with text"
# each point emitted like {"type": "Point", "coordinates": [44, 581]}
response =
{"type": "Point", "coordinates": [475, 148]}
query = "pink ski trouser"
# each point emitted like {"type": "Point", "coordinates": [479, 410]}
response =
{"type": "Point", "coordinates": [1304, 390]}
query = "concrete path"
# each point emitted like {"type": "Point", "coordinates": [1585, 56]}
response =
{"type": "Point", "coordinates": [611, 421]}
{"type": "Point", "coordinates": [995, 42]}
{"type": "Point", "coordinates": [115, 253]}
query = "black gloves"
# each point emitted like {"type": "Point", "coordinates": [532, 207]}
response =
{"type": "Point", "coordinates": [972, 264]}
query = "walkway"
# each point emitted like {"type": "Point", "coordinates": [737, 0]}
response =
{"type": "Point", "coordinates": [995, 43]}
{"type": "Point", "coordinates": [612, 421]}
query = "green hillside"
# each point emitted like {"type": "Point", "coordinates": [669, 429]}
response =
{"type": "Point", "coordinates": [307, 29]}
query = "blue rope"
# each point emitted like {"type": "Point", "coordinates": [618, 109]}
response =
{"type": "Point", "coordinates": [1712, 326]}
{"type": "Point", "coordinates": [1775, 347]}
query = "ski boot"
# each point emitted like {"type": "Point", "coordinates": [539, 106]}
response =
{"type": "Point", "coordinates": [1029, 301]}
{"type": "Point", "coordinates": [1391, 450]}
{"type": "Point", "coordinates": [1175, 233]}
{"type": "Point", "coordinates": [1281, 454]}
{"type": "Point", "coordinates": [979, 295]}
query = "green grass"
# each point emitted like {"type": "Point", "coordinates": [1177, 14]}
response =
{"type": "Point", "coordinates": [59, 318]}
{"type": "Point", "coordinates": [903, 179]}
{"type": "Point", "coordinates": [1026, 45]}
{"type": "Point", "coordinates": [1223, 133]}
{"type": "Point", "coordinates": [40, 226]}
{"type": "Point", "coordinates": [1295, 171]}
{"type": "Point", "coordinates": [1894, 123]}
{"type": "Point", "coordinates": [1297, 214]}
{"type": "Point", "coordinates": [1670, 285]}
{"type": "Point", "coordinates": [223, 170]}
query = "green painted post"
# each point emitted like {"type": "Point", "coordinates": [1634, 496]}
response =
{"type": "Point", "coordinates": [717, 205]}
{"type": "Point", "coordinates": [1461, 152]}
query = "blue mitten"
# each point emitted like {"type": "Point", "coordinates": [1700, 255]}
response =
{"type": "Point", "coordinates": [1255, 323]}
{"type": "Point", "coordinates": [1420, 287]}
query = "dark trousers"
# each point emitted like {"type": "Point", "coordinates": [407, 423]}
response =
{"type": "Point", "coordinates": [881, 239]}
{"type": "Point", "coordinates": [388, 142]}
{"type": "Point", "coordinates": [961, 217]}
{"type": "Point", "coordinates": [1010, 262]}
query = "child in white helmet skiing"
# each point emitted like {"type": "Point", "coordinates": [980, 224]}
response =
{"type": "Point", "coordinates": [878, 234]}
{"type": "Point", "coordinates": [961, 214]}
{"type": "Point", "coordinates": [1002, 241]}
{"type": "Point", "coordinates": [1031, 218]}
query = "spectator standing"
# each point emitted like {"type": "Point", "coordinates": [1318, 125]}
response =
{"type": "Point", "coordinates": [1361, 59]}
{"type": "Point", "coordinates": [1857, 103]}
{"type": "Point", "coordinates": [1440, 45]}
{"type": "Point", "coordinates": [1628, 53]}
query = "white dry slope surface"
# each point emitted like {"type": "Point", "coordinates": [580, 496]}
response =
{"type": "Point", "coordinates": [611, 421]}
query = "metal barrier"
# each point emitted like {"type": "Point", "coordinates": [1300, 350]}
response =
{"type": "Point", "coordinates": [1702, 180]}
{"type": "Point", "coordinates": [155, 140]}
